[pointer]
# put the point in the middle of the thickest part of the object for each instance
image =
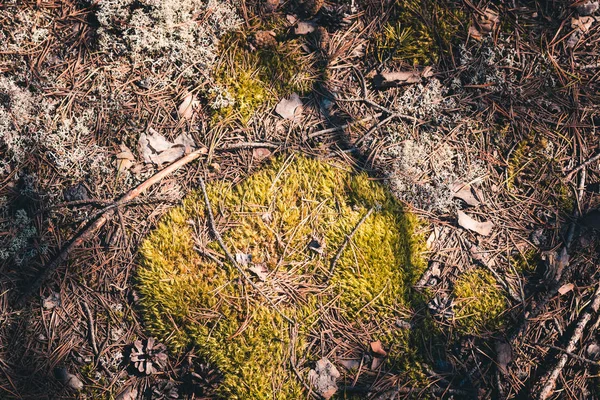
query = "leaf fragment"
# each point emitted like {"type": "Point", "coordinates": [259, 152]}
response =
{"type": "Point", "coordinates": [290, 108]}
{"type": "Point", "coordinates": [482, 228]}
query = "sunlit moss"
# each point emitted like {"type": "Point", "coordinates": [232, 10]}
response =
{"type": "Point", "coordinates": [189, 300]}
{"type": "Point", "coordinates": [254, 77]}
{"type": "Point", "coordinates": [419, 32]}
{"type": "Point", "coordinates": [479, 303]}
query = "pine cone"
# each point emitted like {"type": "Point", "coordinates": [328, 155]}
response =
{"type": "Point", "coordinates": [312, 7]}
{"type": "Point", "coordinates": [200, 379]}
{"type": "Point", "coordinates": [321, 38]}
{"type": "Point", "coordinates": [334, 18]}
{"type": "Point", "coordinates": [148, 357]}
{"type": "Point", "coordinates": [164, 390]}
{"type": "Point", "coordinates": [263, 40]}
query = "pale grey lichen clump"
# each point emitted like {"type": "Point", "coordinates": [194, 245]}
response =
{"type": "Point", "coordinates": [18, 122]}
{"type": "Point", "coordinates": [179, 34]}
{"type": "Point", "coordinates": [423, 164]}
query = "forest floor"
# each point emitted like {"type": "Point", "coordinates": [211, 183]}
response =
{"type": "Point", "coordinates": [480, 116]}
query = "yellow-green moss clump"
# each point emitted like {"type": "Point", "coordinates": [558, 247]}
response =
{"type": "Point", "coordinates": [191, 299]}
{"type": "Point", "coordinates": [420, 31]}
{"type": "Point", "coordinates": [253, 77]}
{"type": "Point", "coordinates": [479, 303]}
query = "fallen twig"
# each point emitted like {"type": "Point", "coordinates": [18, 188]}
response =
{"type": "Point", "coordinates": [582, 166]}
{"type": "Point", "coordinates": [549, 380]}
{"type": "Point", "coordinates": [217, 235]}
{"type": "Point", "coordinates": [91, 229]}
{"type": "Point", "coordinates": [572, 355]}
{"type": "Point", "coordinates": [92, 337]}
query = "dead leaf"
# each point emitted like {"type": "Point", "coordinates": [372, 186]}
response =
{"type": "Point", "coordinates": [566, 288]}
{"type": "Point", "coordinates": [290, 108]}
{"type": "Point", "coordinates": [188, 107]}
{"type": "Point", "coordinates": [503, 356]}
{"type": "Point", "coordinates": [582, 23]}
{"type": "Point", "coordinates": [130, 393]}
{"type": "Point", "coordinates": [574, 39]}
{"type": "Point", "coordinates": [323, 378]}
{"type": "Point", "coordinates": [397, 78]}
{"type": "Point", "coordinates": [593, 351]}
{"type": "Point", "coordinates": [305, 27]}
{"type": "Point", "coordinates": [474, 33]}
{"type": "Point", "coordinates": [377, 348]}
{"type": "Point", "coordinates": [68, 379]}
{"type": "Point", "coordinates": [488, 21]}
{"type": "Point", "coordinates": [156, 149]}
{"type": "Point", "coordinates": [349, 364]}
{"type": "Point", "coordinates": [52, 301]}
{"type": "Point", "coordinates": [261, 153]}
{"type": "Point", "coordinates": [463, 191]}
{"type": "Point", "coordinates": [260, 270]}
{"type": "Point", "coordinates": [125, 159]}
{"type": "Point", "coordinates": [587, 7]}
{"type": "Point", "coordinates": [482, 228]}
{"type": "Point", "coordinates": [292, 19]}
{"type": "Point", "coordinates": [376, 363]}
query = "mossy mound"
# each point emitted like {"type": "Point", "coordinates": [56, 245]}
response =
{"type": "Point", "coordinates": [192, 296]}
{"type": "Point", "coordinates": [479, 303]}
{"type": "Point", "coordinates": [420, 31]}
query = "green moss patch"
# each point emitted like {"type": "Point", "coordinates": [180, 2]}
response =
{"type": "Point", "coordinates": [419, 32]}
{"type": "Point", "coordinates": [479, 303]}
{"type": "Point", "coordinates": [291, 217]}
{"type": "Point", "coordinates": [260, 76]}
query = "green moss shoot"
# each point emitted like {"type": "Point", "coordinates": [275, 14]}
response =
{"type": "Point", "coordinates": [479, 303]}
{"type": "Point", "coordinates": [190, 300]}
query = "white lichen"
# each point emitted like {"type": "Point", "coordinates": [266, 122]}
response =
{"type": "Point", "coordinates": [422, 164]}
{"type": "Point", "coordinates": [179, 36]}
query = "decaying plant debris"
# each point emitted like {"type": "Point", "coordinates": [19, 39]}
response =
{"type": "Point", "coordinates": [479, 117]}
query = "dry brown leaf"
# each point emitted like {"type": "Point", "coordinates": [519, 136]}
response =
{"type": "Point", "coordinates": [376, 363]}
{"type": "Point", "coordinates": [582, 23]}
{"type": "Point", "coordinates": [587, 7]}
{"type": "Point", "coordinates": [474, 33]}
{"type": "Point", "coordinates": [125, 159]}
{"type": "Point", "coordinates": [482, 228]}
{"type": "Point", "coordinates": [377, 348]}
{"type": "Point", "coordinates": [156, 149]}
{"type": "Point", "coordinates": [305, 27]}
{"type": "Point", "coordinates": [398, 78]}
{"type": "Point", "coordinates": [130, 393]}
{"type": "Point", "coordinates": [504, 356]}
{"type": "Point", "coordinates": [323, 378]}
{"type": "Point", "coordinates": [463, 191]}
{"type": "Point", "coordinates": [260, 270]}
{"type": "Point", "coordinates": [566, 288]}
{"type": "Point", "coordinates": [290, 108]}
{"type": "Point", "coordinates": [349, 364]}
{"type": "Point", "coordinates": [260, 153]}
{"type": "Point", "coordinates": [188, 107]}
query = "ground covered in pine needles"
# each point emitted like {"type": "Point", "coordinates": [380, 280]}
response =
{"type": "Point", "coordinates": [473, 121]}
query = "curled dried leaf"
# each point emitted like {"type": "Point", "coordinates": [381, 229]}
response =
{"type": "Point", "coordinates": [482, 228]}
